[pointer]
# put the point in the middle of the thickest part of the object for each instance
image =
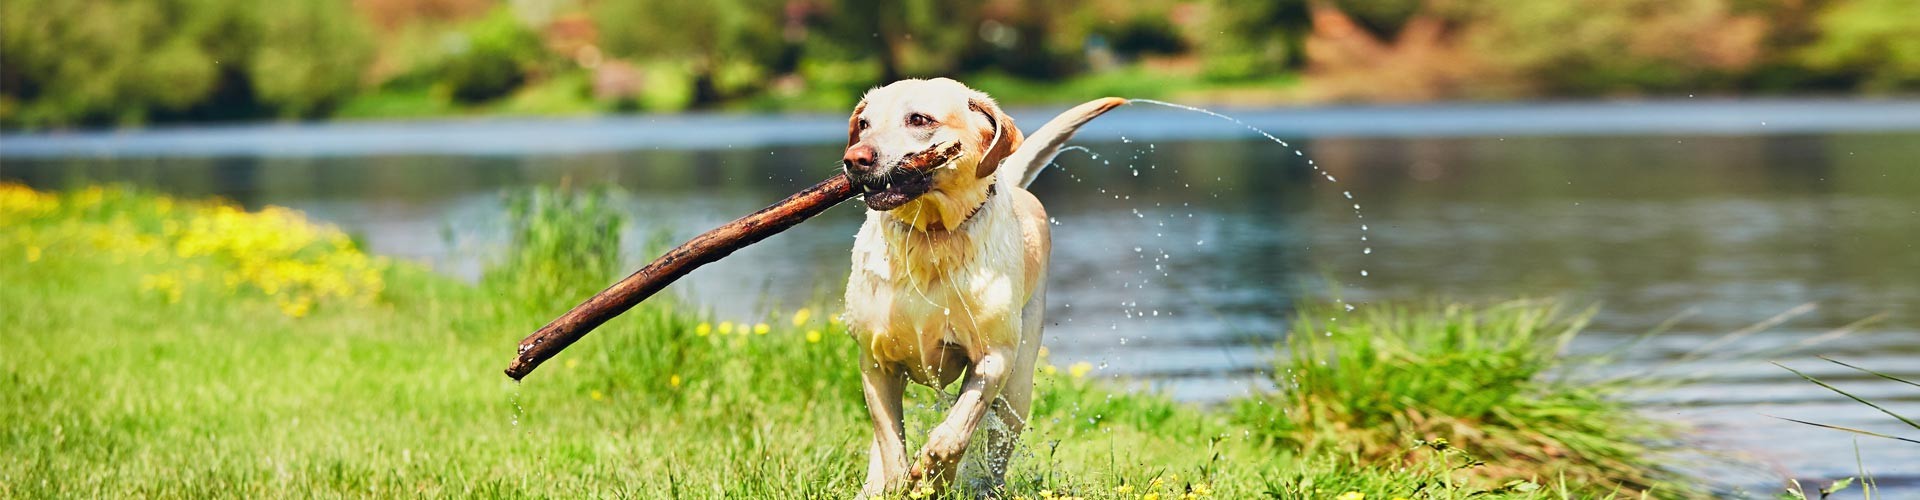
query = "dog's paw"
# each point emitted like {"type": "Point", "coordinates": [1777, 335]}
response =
{"type": "Point", "coordinates": [940, 455]}
{"type": "Point", "coordinates": [882, 486]}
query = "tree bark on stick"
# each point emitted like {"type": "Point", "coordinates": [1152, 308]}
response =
{"type": "Point", "coordinates": [1038, 150]}
{"type": "Point", "coordinates": [702, 249]}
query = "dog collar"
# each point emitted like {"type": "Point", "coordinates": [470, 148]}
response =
{"type": "Point", "coordinates": [991, 189]}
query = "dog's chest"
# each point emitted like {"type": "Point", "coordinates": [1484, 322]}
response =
{"type": "Point", "coordinates": [909, 291]}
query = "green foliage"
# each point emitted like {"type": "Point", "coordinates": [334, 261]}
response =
{"type": "Point", "coordinates": [98, 61]}
{"type": "Point", "coordinates": [1256, 38]}
{"type": "Point", "coordinates": [72, 62]}
{"type": "Point", "coordinates": [127, 62]}
{"type": "Point", "coordinates": [731, 46]}
{"type": "Point", "coordinates": [310, 55]}
{"type": "Point", "coordinates": [1874, 42]}
{"type": "Point", "coordinates": [561, 245]}
{"type": "Point", "coordinates": [1361, 384]}
{"type": "Point", "coordinates": [489, 58]}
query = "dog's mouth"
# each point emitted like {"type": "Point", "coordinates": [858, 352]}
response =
{"type": "Point", "coordinates": [909, 179]}
{"type": "Point", "coordinates": [891, 191]}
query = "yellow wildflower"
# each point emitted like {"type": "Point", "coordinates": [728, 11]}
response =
{"type": "Point", "coordinates": [813, 336]}
{"type": "Point", "coordinates": [801, 316]}
{"type": "Point", "coordinates": [596, 395]}
{"type": "Point", "coordinates": [761, 329]}
{"type": "Point", "coordinates": [1050, 369]}
{"type": "Point", "coordinates": [674, 380]}
{"type": "Point", "coordinates": [1080, 369]}
{"type": "Point", "coordinates": [573, 363]}
{"type": "Point", "coordinates": [166, 285]}
{"type": "Point", "coordinates": [1351, 495]}
{"type": "Point", "coordinates": [1151, 496]}
{"type": "Point", "coordinates": [1123, 489]}
{"type": "Point", "coordinates": [22, 201]}
{"type": "Point", "coordinates": [726, 327]}
{"type": "Point", "coordinates": [33, 254]}
{"type": "Point", "coordinates": [296, 308]}
{"type": "Point", "coordinates": [704, 329]}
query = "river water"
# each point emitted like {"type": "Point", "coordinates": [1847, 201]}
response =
{"type": "Point", "coordinates": [1183, 241]}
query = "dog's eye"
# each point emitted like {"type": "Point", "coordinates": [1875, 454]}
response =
{"type": "Point", "coordinates": [863, 124]}
{"type": "Point", "coordinates": [919, 120]}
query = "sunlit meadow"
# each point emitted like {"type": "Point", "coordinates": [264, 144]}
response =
{"type": "Point", "coordinates": [195, 348]}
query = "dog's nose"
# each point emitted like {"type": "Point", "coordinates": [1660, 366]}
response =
{"type": "Point", "coordinates": [859, 159]}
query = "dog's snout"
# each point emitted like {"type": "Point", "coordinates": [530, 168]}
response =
{"type": "Point", "coordinates": [859, 159]}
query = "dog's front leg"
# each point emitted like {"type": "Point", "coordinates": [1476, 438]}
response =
{"type": "Point", "coordinates": [887, 461]}
{"type": "Point", "coordinates": [948, 441]}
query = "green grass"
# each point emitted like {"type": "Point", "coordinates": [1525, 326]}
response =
{"type": "Point", "coordinates": [114, 386]}
{"type": "Point", "coordinates": [1480, 378]}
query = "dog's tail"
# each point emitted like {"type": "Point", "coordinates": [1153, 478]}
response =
{"type": "Point", "coordinates": [1040, 148]}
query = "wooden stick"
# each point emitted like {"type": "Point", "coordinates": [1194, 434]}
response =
{"type": "Point", "coordinates": [721, 241]}
{"type": "Point", "coordinates": [702, 249]}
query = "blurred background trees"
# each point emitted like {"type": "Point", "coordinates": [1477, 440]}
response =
{"type": "Point", "coordinates": [118, 62]}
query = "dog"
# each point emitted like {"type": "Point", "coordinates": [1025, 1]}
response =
{"type": "Point", "coordinates": [949, 271]}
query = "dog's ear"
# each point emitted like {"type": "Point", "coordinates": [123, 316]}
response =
{"type": "Point", "coordinates": [853, 123]}
{"type": "Point", "coordinates": [1000, 136]}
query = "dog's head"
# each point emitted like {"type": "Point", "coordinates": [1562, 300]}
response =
{"type": "Point", "coordinates": [926, 138]}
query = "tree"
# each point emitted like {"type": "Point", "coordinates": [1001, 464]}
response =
{"type": "Point", "coordinates": [727, 45]}
{"type": "Point", "coordinates": [1256, 37]}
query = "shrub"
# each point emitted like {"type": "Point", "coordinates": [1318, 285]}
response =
{"type": "Point", "coordinates": [1873, 42]}
{"type": "Point", "coordinates": [311, 56]}
{"type": "Point", "coordinates": [490, 58]}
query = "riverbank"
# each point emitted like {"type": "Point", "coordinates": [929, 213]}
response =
{"type": "Point", "coordinates": [190, 348]}
{"type": "Point", "coordinates": [1140, 121]}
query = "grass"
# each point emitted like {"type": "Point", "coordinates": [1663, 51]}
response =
{"type": "Point", "coordinates": [1868, 485]}
{"type": "Point", "coordinates": [1478, 377]}
{"type": "Point", "coordinates": [206, 384]}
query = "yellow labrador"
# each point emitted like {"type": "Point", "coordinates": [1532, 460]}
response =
{"type": "Point", "coordinates": [949, 270]}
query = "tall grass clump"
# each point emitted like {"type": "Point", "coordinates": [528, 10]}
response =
{"type": "Point", "coordinates": [1369, 383]}
{"type": "Point", "coordinates": [560, 243]}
